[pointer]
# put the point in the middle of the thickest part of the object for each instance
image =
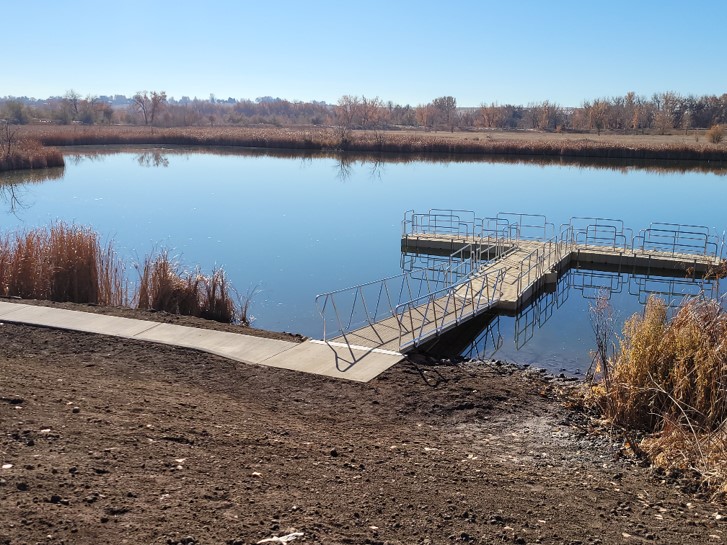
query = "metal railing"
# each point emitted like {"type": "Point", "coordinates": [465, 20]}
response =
{"type": "Point", "coordinates": [459, 223]}
{"type": "Point", "coordinates": [350, 309]}
{"type": "Point", "coordinates": [674, 239]}
{"type": "Point", "coordinates": [424, 317]}
{"type": "Point", "coordinates": [599, 232]}
{"type": "Point", "coordinates": [540, 261]}
{"type": "Point", "coordinates": [527, 226]}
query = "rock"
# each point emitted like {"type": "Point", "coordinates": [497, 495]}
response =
{"type": "Point", "coordinates": [22, 486]}
{"type": "Point", "coordinates": [76, 410]}
{"type": "Point", "coordinates": [334, 453]}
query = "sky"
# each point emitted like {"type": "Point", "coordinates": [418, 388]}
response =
{"type": "Point", "coordinates": [409, 52]}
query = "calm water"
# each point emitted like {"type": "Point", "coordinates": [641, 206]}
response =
{"type": "Point", "coordinates": [290, 227]}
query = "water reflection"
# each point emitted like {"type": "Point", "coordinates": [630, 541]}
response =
{"type": "Point", "coordinates": [376, 161]}
{"type": "Point", "coordinates": [153, 158]}
{"type": "Point", "coordinates": [497, 334]}
{"type": "Point", "coordinates": [13, 186]}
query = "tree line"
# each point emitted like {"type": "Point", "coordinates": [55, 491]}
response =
{"type": "Point", "coordinates": [661, 112]}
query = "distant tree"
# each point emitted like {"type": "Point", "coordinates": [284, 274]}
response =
{"type": "Point", "coordinates": [72, 101]}
{"type": "Point", "coordinates": [426, 115]}
{"type": "Point", "coordinates": [347, 111]}
{"type": "Point", "coordinates": [107, 112]}
{"type": "Point", "coordinates": [149, 104]}
{"type": "Point", "coordinates": [446, 107]}
{"type": "Point", "coordinates": [14, 111]}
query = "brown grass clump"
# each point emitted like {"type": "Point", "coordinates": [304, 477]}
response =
{"type": "Point", "coordinates": [23, 154]}
{"type": "Point", "coordinates": [163, 287]}
{"type": "Point", "coordinates": [715, 134]}
{"type": "Point", "coordinates": [67, 263]}
{"type": "Point", "coordinates": [60, 263]}
{"type": "Point", "coordinates": [668, 378]}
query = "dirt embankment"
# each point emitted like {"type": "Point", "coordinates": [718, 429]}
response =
{"type": "Point", "coordinates": [115, 441]}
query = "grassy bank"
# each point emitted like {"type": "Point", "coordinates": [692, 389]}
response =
{"type": "Point", "coordinates": [667, 383]}
{"type": "Point", "coordinates": [67, 263]}
{"type": "Point", "coordinates": [641, 147]}
{"type": "Point", "coordinates": [28, 154]}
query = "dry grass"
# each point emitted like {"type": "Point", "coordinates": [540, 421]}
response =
{"type": "Point", "coordinates": [715, 134]}
{"type": "Point", "coordinates": [60, 263]}
{"type": "Point", "coordinates": [67, 263]}
{"type": "Point", "coordinates": [668, 379]}
{"type": "Point", "coordinates": [521, 143]}
{"type": "Point", "coordinates": [29, 154]}
{"type": "Point", "coordinates": [164, 287]}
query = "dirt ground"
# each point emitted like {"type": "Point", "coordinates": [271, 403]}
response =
{"type": "Point", "coordinates": [115, 441]}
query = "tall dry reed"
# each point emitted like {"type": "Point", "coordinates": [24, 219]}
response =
{"type": "Point", "coordinates": [61, 263]}
{"type": "Point", "coordinates": [668, 379]}
{"type": "Point", "coordinates": [163, 286]}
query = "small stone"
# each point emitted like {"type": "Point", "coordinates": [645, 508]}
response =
{"type": "Point", "coordinates": [334, 453]}
{"type": "Point", "coordinates": [55, 498]}
{"type": "Point", "coordinates": [76, 410]}
{"type": "Point", "coordinates": [22, 486]}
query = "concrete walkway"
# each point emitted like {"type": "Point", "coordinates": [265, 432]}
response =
{"type": "Point", "coordinates": [310, 356]}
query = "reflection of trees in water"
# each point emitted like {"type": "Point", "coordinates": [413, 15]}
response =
{"type": "Point", "coordinates": [345, 164]}
{"type": "Point", "coordinates": [10, 194]}
{"type": "Point", "coordinates": [153, 158]}
{"type": "Point", "coordinates": [13, 185]}
{"type": "Point", "coordinates": [346, 160]}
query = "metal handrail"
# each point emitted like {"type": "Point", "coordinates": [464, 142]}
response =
{"type": "Point", "coordinates": [521, 227]}
{"type": "Point", "coordinates": [678, 240]}
{"type": "Point", "coordinates": [440, 310]}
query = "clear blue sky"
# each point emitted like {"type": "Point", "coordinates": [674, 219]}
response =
{"type": "Point", "coordinates": [506, 51]}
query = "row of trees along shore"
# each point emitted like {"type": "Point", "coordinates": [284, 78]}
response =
{"type": "Point", "coordinates": [661, 112]}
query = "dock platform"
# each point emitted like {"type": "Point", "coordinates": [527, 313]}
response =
{"type": "Point", "coordinates": [457, 266]}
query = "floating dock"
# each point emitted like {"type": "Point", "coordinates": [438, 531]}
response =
{"type": "Point", "coordinates": [457, 266]}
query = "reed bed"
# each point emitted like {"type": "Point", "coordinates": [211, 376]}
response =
{"type": "Point", "coordinates": [163, 286]}
{"type": "Point", "coordinates": [318, 139]}
{"type": "Point", "coordinates": [29, 154]}
{"type": "Point", "coordinates": [67, 263]}
{"type": "Point", "coordinates": [63, 263]}
{"type": "Point", "coordinates": [668, 380]}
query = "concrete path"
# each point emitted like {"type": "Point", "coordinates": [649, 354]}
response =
{"type": "Point", "coordinates": [314, 357]}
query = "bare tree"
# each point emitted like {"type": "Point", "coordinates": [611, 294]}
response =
{"type": "Point", "coordinates": [347, 111]}
{"type": "Point", "coordinates": [149, 105]}
{"type": "Point", "coordinates": [72, 100]}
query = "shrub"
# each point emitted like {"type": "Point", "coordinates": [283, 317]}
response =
{"type": "Point", "coordinates": [715, 134]}
{"type": "Point", "coordinates": [667, 379]}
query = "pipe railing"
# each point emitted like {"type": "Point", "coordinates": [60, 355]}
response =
{"type": "Point", "coordinates": [426, 316]}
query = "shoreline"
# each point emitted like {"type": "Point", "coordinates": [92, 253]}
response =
{"type": "Point", "coordinates": [103, 434]}
{"type": "Point", "coordinates": [475, 144]}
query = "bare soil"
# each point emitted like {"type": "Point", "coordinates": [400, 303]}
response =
{"type": "Point", "coordinates": [107, 440]}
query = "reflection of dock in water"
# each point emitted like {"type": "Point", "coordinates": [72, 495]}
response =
{"type": "Point", "coordinates": [460, 269]}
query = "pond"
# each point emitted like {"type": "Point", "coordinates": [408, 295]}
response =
{"type": "Point", "coordinates": [287, 227]}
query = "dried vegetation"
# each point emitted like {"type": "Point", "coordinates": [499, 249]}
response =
{"type": "Point", "coordinates": [376, 141]}
{"type": "Point", "coordinates": [18, 153]}
{"type": "Point", "coordinates": [67, 263]}
{"type": "Point", "coordinates": [667, 381]}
